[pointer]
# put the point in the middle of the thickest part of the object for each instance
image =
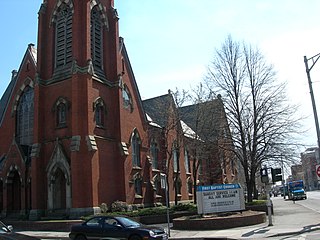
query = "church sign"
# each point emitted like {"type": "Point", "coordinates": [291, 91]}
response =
{"type": "Point", "coordinates": [220, 198]}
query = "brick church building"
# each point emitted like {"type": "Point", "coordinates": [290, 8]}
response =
{"type": "Point", "coordinates": [75, 133]}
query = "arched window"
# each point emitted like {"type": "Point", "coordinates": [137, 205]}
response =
{"type": "Point", "coordinates": [61, 114]}
{"type": "Point", "coordinates": [99, 115]}
{"type": "Point", "coordinates": [96, 38]}
{"type": "Point", "coordinates": [25, 117]}
{"type": "Point", "coordinates": [99, 112]}
{"type": "Point", "coordinates": [136, 150]}
{"type": "Point", "coordinates": [61, 110]}
{"type": "Point", "coordinates": [63, 44]}
{"type": "Point", "coordinates": [154, 154]}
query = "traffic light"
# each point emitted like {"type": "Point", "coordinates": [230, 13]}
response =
{"type": "Point", "coordinates": [264, 175]}
{"type": "Point", "coordinates": [276, 174]}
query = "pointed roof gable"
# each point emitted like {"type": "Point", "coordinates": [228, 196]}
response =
{"type": "Point", "coordinates": [206, 119]}
{"type": "Point", "coordinates": [130, 73]}
{"type": "Point", "coordinates": [4, 101]}
{"type": "Point", "coordinates": [157, 107]}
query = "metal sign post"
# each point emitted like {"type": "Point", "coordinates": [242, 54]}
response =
{"type": "Point", "coordinates": [268, 188]}
{"type": "Point", "coordinates": [164, 185]}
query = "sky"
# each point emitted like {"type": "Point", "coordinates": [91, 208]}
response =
{"type": "Point", "coordinates": [171, 42]}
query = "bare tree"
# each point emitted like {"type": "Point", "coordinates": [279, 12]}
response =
{"type": "Point", "coordinates": [261, 118]}
{"type": "Point", "coordinates": [164, 112]}
{"type": "Point", "coordinates": [208, 138]}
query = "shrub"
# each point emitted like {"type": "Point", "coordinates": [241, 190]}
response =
{"type": "Point", "coordinates": [119, 206]}
{"type": "Point", "coordinates": [184, 207]}
{"type": "Point", "coordinates": [104, 208]}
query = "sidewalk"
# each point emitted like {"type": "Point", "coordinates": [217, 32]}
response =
{"type": "Point", "coordinates": [289, 220]}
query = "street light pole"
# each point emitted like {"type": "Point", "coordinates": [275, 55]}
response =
{"type": "Point", "coordinates": [314, 59]}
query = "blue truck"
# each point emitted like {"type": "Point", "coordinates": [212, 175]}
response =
{"type": "Point", "coordinates": [296, 190]}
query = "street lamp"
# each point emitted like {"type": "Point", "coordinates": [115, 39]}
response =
{"type": "Point", "coordinates": [314, 59]}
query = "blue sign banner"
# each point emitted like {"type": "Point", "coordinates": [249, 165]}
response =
{"type": "Point", "coordinates": [218, 187]}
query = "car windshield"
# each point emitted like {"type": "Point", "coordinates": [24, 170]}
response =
{"type": "Point", "coordinates": [128, 222]}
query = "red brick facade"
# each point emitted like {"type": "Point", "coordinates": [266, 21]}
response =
{"type": "Point", "coordinates": [75, 164]}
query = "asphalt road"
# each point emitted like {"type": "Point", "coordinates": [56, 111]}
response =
{"type": "Point", "coordinates": [299, 220]}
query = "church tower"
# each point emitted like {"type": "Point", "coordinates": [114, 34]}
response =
{"type": "Point", "coordinates": [76, 108]}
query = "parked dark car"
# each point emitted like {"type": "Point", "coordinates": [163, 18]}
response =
{"type": "Point", "coordinates": [5, 228]}
{"type": "Point", "coordinates": [6, 233]}
{"type": "Point", "coordinates": [109, 227]}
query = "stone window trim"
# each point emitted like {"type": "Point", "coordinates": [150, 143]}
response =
{"type": "Point", "coordinates": [55, 12]}
{"type": "Point", "coordinates": [28, 82]}
{"type": "Point", "coordinates": [102, 11]}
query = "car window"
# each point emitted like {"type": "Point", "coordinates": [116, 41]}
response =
{"type": "Point", "coordinates": [94, 222]}
{"type": "Point", "coordinates": [111, 222]}
{"type": "Point", "coordinates": [128, 222]}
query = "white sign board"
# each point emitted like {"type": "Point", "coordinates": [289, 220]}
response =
{"type": "Point", "coordinates": [220, 198]}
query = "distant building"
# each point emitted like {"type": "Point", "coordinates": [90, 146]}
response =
{"type": "Point", "coordinates": [309, 160]}
{"type": "Point", "coordinates": [297, 172]}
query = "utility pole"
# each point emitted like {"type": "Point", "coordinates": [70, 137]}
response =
{"type": "Point", "coordinates": [314, 59]}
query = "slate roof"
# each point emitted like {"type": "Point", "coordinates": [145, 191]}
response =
{"type": "Point", "coordinates": [156, 109]}
{"type": "Point", "coordinates": [204, 120]}
{"type": "Point", "coordinates": [6, 96]}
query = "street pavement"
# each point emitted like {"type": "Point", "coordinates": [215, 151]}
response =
{"type": "Point", "coordinates": [291, 221]}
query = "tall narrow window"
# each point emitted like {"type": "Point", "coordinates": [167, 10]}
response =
{"type": "Point", "coordinates": [189, 185]}
{"type": "Point", "coordinates": [25, 117]}
{"type": "Point", "coordinates": [136, 150]}
{"type": "Point", "coordinates": [175, 160]}
{"type": "Point", "coordinates": [138, 186]}
{"type": "Point", "coordinates": [187, 161]}
{"type": "Point", "coordinates": [99, 112]}
{"type": "Point", "coordinates": [61, 110]}
{"type": "Point", "coordinates": [178, 185]}
{"type": "Point", "coordinates": [61, 114]}
{"type": "Point", "coordinates": [63, 36]}
{"type": "Point", "coordinates": [99, 115]}
{"type": "Point", "coordinates": [154, 154]}
{"type": "Point", "coordinates": [96, 38]}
